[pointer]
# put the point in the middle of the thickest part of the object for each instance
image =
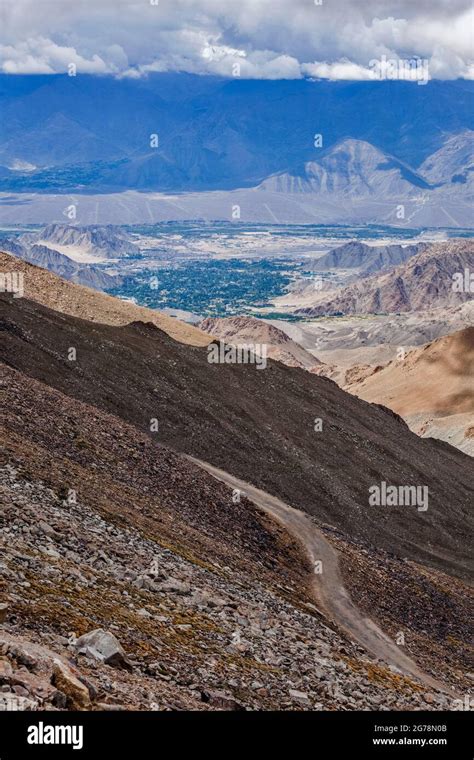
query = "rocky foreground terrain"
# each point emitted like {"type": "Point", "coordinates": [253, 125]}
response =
{"type": "Point", "coordinates": [129, 579]}
{"type": "Point", "coordinates": [428, 613]}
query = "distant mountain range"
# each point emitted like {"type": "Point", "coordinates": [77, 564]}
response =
{"type": "Point", "coordinates": [452, 163]}
{"type": "Point", "coordinates": [356, 168]}
{"type": "Point", "coordinates": [71, 251]}
{"type": "Point", "coordinates": [57, 262]}
{"type": "Point", "coordinates": [109, 242]}
{"type": "Point", "coordinates": [352, 167]}
{"type": "Point", "coordinates": [367, 259]}
{"type": "Point", "coordinates": [214, 133]}
{"type": "Point", "coordinates": [424, 281]}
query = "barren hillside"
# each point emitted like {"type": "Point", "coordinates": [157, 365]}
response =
{"type": "Point", "coordinates": [431, 388]}
{"type": "Point", "coordinates": [69, 298]}
{"type": "Point", "coordinates": [425, 281]}
{"type": "Point", "coordinates": [261, 426]}
{"type": "Point", "coordinates": [241, 330]}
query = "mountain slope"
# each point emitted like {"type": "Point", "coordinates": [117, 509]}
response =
{"type": "Point", "coordinates": [453, 163]}
{"type": "Point", "coordinates": [207, 598]}
{"type": "Point", "coordinates": [257, 425]}
{"type": "Point", "coordinates": [431, 388]}
{"type": "Point", "coordinates": [368, 259]}
{"type": "Point", "coordinates": [353, 168]}
{"type": "Point", "coordinates": [49, 289]}
{"type": "Point", "coordinates": [425, 281]}
{"type": "Point", "coordinates": [278, 346]}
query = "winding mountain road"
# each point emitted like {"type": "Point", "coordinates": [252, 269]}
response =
{"type": "Point", "coordinates": [330, 594]}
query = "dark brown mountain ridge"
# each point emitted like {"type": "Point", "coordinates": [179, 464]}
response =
{"type": "Point", "coordinates": [258, 425]}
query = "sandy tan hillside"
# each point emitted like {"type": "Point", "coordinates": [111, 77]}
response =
{"type": "Point", "coordinates": [241, 330]}
{"type": "Point", "coordinates": [432, 388]}
{"type": "Point", "coordinates": [78, 301]}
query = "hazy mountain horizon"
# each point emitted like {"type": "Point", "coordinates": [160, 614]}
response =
{"type": "Point", "coordinates": [184, 132]}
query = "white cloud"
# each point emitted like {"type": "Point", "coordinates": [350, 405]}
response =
{"type": "Point", "coordinates": [266, 38]}
{"type": "Point", "coordinates": [338, 70]}
{"type": "Point", "coordinates": [42, 56]}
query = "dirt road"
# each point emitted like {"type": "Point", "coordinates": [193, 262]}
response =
{"type": "Point", "coordinates": [330, 595]}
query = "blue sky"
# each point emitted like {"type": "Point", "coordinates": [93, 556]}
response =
{"type": "Point", "coordinates": [268, 39]}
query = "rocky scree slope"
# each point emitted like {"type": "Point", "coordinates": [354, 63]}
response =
{"type": "Point", "coordinates": [151, 589]}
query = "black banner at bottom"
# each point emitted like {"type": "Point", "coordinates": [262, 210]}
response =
{"type": "Point", "coordinates": [95, 734]}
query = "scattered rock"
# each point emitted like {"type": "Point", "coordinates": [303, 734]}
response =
{"type": "Point", "coordinates": [6, 669]}
{"type": "Point", "coordinates": [59, 700]}
{"type": "Point", "coordinates": [221, 701]}
{"type": "Point", "coordinates": [76, 693]}
{"type": "Point", "coordinates": [299, 696]}
{"type": "Point", "coordinates": [103, 646]}
{"type": "Point", "coordinates": [173, 586]}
